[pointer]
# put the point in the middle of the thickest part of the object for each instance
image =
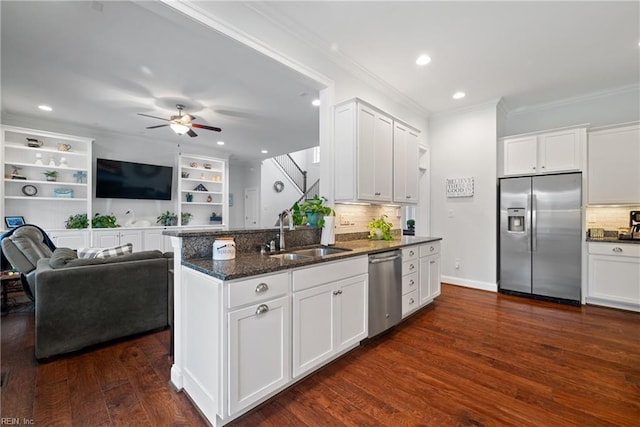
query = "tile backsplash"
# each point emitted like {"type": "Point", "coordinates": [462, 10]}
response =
{"type": "Point", "coordinates": [354, 218]}
{"type": "Point", "coordinates": [609, 218]}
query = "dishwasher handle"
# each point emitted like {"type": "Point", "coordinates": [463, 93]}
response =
{"type": "Point", "coordinates": [386, 259]}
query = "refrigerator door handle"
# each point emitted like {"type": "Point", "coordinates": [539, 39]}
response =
{"type": "Point", "coordinates": [534, 222]}
{"type": "Point", "coordinates": [528, 223]}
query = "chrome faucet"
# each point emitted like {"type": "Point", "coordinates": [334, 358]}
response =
{"type": "Point", "coordinates": [281, 217]}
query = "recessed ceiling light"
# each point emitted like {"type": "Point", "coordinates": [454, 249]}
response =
{"type": "Point", "coordinates": [220, 142]}
{"type": "Point", "coordinates": [45, 108]}
{"type": "Point", "coordinates": [423, 60]}
{"type": "Point", "coordinates": [459, 95]}
{"type": "Point", "coordinates": [315, 102]}
{"type": "Point", "coordinates": [264, 151]}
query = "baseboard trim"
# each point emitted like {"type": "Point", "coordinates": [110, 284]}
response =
{"type": "Point", "coordinates": [475, 284]}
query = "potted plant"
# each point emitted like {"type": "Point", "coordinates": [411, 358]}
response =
{"type": "Point", "coordinates": [215, 219]}
{"type": "Point", "coordinates": [51, 175]}
{"type": "Point", "coordinates": [380, 229]}
{"type": "Point", "coordinates": [411, 224]}
{"type": "Point", "coordinates": [189, 197]}
{"type": "Point", "coordinates": [167, 219]}
{"type": "Point", "coordinates": [77, 221]}
{"type": "Point", "coordinates": [103, 221]}
{"type": "Point", "coordinates": [185, 217]}
{"type": "Point", "coordinates": [315, 210]}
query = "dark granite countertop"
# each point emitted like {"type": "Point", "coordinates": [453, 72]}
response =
{"type": "Point", "coordinates": [255, 263]}
{"type": "Point", "coordinates": [614, 240]}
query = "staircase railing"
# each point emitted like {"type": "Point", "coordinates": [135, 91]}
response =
{"type": "Point", "coordinates": [312, 191]}
{"type": "Point", "coordinates": [295, 173]}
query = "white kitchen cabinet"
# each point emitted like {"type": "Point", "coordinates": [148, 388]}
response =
{"type": "Point", "coordinates": [73, 239]}
{"type": "Point", "coordinates": [549, 152]}
{"type": "Point", "coordinates": [410, 280]}
{"type": "Point", "coordinates": [364, 153]}
{"type": "Point", "coordinates": [116, 237]}
{"type": "Point", "coordinates": [614, 165]}
{"type": "Point", "coordinates": [429, 272]}
{"type": "Point", "coordinates": [329, 312]}
{"type": "Point", "coordinates": [405, 164]}
{"type": "Point", "coordinates": [259, 349]}
{"type": "Point", "coordinates": [614, 275]}
{"type": "Point", "coordinates": [49, 203]}
{"type": "Point", "coordinates": [154, 239]}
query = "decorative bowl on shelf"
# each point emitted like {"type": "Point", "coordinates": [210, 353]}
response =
{"type": "Point", "coordinates": [34, 143]}
{"type": "Point", "coordinates": [63, 192]}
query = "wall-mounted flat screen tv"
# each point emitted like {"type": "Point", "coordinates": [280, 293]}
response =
{"type": "Point", "coordinates": [127, 180]}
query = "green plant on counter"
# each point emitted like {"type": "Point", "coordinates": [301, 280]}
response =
{"type": "Point", "coordinates": [315, 211]}
{"type": "Point", "coordinates": [297, 216]}
{"type": "Point", "coordinates": [167, 219]}
{"type": "Point", "coordinates": [77, 221]}
{"type": "Point", "coordinates": [380, 229]}
{"type": "Point", "coordinates": [104, 221]}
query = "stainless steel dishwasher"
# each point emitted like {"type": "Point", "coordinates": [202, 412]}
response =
{"type": "Point", "coordinates": [385, 291]}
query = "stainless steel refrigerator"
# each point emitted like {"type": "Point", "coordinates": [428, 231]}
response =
{"type": "Point", "coordinates": [540, 236]}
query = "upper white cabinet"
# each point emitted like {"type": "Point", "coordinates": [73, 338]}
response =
{"type": "Point", "coordinates": [203, 191]}
{"type": "Point", "coordinates": [557, 151]}
{"type": "Point", "coordinates": [363, 153]}
{"type": "Point", "coordinates": [614, 165]}
{"type": "Point", "coordinates": [405, 164]}
{"type": "Point", "coordinates": [47, 176]}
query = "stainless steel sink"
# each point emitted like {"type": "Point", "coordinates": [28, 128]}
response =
{"type": "Point", "coordinates": [319, 252]}
{"type": "Point", "coordinates": [290, 256]}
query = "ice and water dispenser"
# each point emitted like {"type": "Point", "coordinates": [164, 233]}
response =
{"type": "Point", "coordinates": [516, 220]}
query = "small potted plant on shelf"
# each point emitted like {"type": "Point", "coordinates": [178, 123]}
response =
{"type": "Point", "coordinates": [51, 175]}
{"type": "Point", "coordinates": [189, 197]}
{"type": "Point", "coordinates": [104, 221]}
{"type": "Point", "coordinates": [185, 217]}
{"type": "Point", "coordinates": [315, 211]}
{"type": "Point", "coordinates": [77, 221]}
{"type": "Point", "coordinates": [167, 219]}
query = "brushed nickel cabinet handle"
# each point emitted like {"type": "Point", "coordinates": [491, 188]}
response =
{"type": "Point", "coordinates": [262, 287]}
{"type": "Point", "coordinates": [412, 253]}
{"type": "Point", "coordinates": [411, 266]}
{"type": "Point", "coordinates": [337, 292]}
{"type": "Point", "coordinates": [432, 262]}
{"type": "Point", "coordinates": [411, 301]}
{"type": "Point", "coordinates": [617, 249]}
{"type": "Point", "coordinates": [262, 308]}
{"type": "Point", "coordinates": [431, 249]}
{"type": "Point", "coordinates": [411, 282]}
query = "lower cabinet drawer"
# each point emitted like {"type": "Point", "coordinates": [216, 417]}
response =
{"type": "Point", "coordinates": [409, 283]}
{"type": "Point", "coordinates": [258, 289]}
{"type": "Point", "coordinates": [410, 302]}
{"type": "Point", "coordinates": [410, 266]}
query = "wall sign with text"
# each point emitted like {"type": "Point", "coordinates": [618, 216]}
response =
{"type": "Point", "coordinates": [460, 187]}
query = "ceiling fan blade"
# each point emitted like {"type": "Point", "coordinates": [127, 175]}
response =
{"type": "Point", "coordinates": [195, 125]}
{"type": "Point", "coordinates": [191, 133]}
{"type": "Point", "coordinates": [156, 126]}
{"type": "Point", "coordinates": [153, 117]}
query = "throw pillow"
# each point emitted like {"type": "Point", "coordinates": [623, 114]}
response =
{"type": "Point", "coordinates": [105, 252]}
{"type": "Point", "coordinates": [61, 256]}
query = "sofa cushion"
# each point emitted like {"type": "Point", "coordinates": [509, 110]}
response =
{"type": "Point", "coordinates": [136, 256]}
{"type": "Point", "coordinates": [105, 252]}
{"type": "Point", "coordinates": [61, 256]}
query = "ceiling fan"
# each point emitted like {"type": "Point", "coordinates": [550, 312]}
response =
{"type": "Point", "coordinates": [181, 124]}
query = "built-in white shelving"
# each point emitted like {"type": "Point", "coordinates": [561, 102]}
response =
{"type": "Point", "coordinates": [203, 190]}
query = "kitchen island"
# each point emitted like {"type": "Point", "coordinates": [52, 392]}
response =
{"type": "Point", "coordinates": [247, 328]}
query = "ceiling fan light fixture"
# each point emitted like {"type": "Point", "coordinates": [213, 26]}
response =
{"type": "Point", "coordinates": [179, 129]}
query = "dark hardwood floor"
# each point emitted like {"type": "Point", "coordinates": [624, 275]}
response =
{"type": "Point", "coordinates": [472, 358]}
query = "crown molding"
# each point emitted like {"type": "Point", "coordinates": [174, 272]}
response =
{"type": "Point", "coordinates": [493, 103]}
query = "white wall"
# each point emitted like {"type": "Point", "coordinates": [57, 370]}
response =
{"type": "Point", "coordinates": [463, 144]}
{"type": "Point", "coordinates": [271, 202]}
{"type": "Point", "coordinates": [621, 106]}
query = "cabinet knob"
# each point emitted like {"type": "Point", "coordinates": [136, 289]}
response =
{"type": "Point", "coordinates": [262, 287]}
{"type": "Point", "coordinates": [407, 197]}
{"type": "Point", "coordinates": [412, 253]}
{"type": "Point", "coordinates": [411, 301]}
{"type": "Point", "coordinates": [431, 249]}
{"type": "Point", "coordinates": [337, 292]}
{"type": "Point", "coordinates": [432, 262]}
{"type": "Point", "coordinates": [377, 193]}
{"type": "Point", "coordinates": [542, 167]}
{"type": "Point", "coordinates": [533, 167]}
{"type": "Point", "coordinates": [411, 267]}
{"type": "Point", "coordinates": [262, 308]}
{"type": "Point", "coordinates": [617, 249]}
{"type": "Point", "coordinates": [411, 282]}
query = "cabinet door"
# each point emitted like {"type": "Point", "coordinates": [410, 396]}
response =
{"type": "Point", "coordinates": [559, 151]}
{"type": "Point", "coordinates": [613, 165]}
{"type": "Point", "coordinates": [351, 309]}
{"type": "Point", "coordinates": [131, 236]}
{"type": "Point", "coordinates": [520, 155]}
{"type": "Point", "coordinates": [106, 239]}
{"type": "Point", "coordinates": [366, 155]}
{"type": "Point", "coordinates": [405, 164]}
{"type": "Point", "coordinates": [615, 278]}
{"type": "Point", "coordinates": [153, 239]}
{"type": "Point", "coordinates": [259, 349]}
{"type": "Point", "coordinates": [71, 239]}
{"type": "Point", "coordinates": [383, 165]}
{"type": "Point", "coordinates": [413, 156]}
{"type": "Point", "coordinates": [313, 329]}
{"type": "Point", "coordinates": [429, 278]}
